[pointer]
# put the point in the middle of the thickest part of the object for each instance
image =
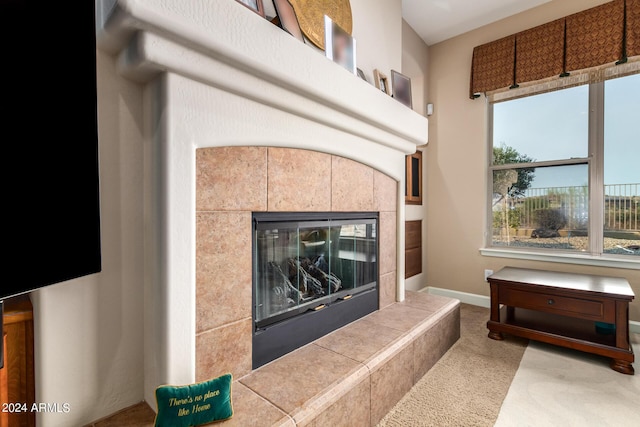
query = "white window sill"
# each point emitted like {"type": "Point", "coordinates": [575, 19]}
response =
{"type": "Point", "coordinates": [631, 262]}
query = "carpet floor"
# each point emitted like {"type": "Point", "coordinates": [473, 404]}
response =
{"type": "Point", "coordinates": [483, 382]}
{"type": "Point", "coordinates": [467, 385]}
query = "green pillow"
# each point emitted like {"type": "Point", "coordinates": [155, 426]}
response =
{"type": "Point", "coordinates": [195, 404]}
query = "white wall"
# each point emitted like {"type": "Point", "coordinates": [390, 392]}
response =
{"type": "Point", "coordinates": [88, 331]}
{"type": "Point", "coordinates": [415, 65]}
{"type": "Point", "coordinates": [377, 28]}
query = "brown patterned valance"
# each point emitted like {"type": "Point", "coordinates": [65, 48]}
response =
{"type": "Point", "coordinates": [633, 27]}
{"type": "Point", "coordinates": [594, 37]}
{"type": "Point", "coordinates": [493, 65]}
{"type": "Point", "coordinates": [540, 52]}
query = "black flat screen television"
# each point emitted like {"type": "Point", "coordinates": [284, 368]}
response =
{"type": "Point", "coordinates": [50, 143]}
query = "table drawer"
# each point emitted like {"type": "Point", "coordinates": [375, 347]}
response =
{"type": "Point", "coordinates": [551, 303]}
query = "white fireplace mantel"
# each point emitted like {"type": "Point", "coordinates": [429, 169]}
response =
{"type": "Point", "coordinates": [193, 38]}
{"type": "Point", "coordinates": [217, 74]}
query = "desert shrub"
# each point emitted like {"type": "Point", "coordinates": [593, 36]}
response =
{"type": "Point", "coordinates": [514, 217]}
{"type": "Point", "coordinates": [550, 219]}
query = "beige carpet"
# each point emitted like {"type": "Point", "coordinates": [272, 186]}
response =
{"type": "Point", "coordinates": [467, 385]}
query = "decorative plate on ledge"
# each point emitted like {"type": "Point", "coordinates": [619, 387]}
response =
{"type": "Point", "coordinates": [311, 13]}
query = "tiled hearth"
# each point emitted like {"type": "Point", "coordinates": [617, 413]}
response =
{"type": "Point", "coordinates": [350, 377]}
{"type": "Point", "coordinates": [356, 374]}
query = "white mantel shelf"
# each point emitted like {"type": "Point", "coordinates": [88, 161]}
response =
{"type": "Point", "coordinates": [216, 74]}
{"type": "Point", "coordinates": [191, 38]}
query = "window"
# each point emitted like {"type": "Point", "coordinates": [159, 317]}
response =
{"type": "Point", "coordinates": [565, 170]}
{"type": "Point", "coordinates": [621, 222]}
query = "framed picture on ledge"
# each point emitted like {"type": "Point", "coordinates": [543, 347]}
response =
{"type": "Point", "coordinates": [381, 81]}
{"type": "Point", "coordinates": [401, 88]}
{"type": "Point", "coordinates": [339, 46]}
{"type": "Point", "coordinates": [361, 75]}
{"type": "Point", "coordinates": [255, 5]}
{"type": "Point", "coordinates": [288, 18]}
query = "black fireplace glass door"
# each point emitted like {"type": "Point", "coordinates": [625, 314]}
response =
{"type": "Point", "coordinates": [302, 265]}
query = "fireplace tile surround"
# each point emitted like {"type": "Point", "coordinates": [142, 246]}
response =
{"type": "Point", "coordinates": [280, 180]}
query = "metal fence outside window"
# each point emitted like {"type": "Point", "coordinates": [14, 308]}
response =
{"type": "Point", "coordinates": [621, 208]}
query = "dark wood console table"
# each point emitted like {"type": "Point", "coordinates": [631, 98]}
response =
{"type": "Point", "coordinates": [564, 309]}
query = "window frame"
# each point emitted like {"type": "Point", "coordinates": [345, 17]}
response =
{"type": "Point", "coordinates": [595, 254]}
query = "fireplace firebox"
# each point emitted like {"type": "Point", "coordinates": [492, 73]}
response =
{"type": "Point", "coordinates": [312, 273]}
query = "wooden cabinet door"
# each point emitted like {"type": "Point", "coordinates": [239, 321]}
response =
{"type": "Point", "coordinates": [17, 377]}
{"type": "Point", "coordinates": [4, 388]}
{"type": "Point", "coordinates": [412, 248]}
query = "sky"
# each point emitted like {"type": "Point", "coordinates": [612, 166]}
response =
{"type": "Point", "coordinates": [554, 126]}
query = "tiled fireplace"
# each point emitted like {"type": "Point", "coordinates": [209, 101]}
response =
{"type": "Point", "coordinates": [238, 123]}
{"type": "Point", "coordinates": [320, 186]}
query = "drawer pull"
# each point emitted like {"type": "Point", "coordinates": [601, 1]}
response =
{"type": "Point", "coordinates": [550, 301]}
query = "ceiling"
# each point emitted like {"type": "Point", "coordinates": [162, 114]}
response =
{"type": "Point", "coordinates": [438, 20]}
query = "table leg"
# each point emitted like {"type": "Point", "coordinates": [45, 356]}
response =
{"type": "Point", "coordinates": [495, 313]}
{"type": "Point", "coordinates": [622, 338]}
{"type": "Point", "coordinates": [622, 366]}
{"type": "Point", "coordinates": [622, 325]}
{"type": "Point", "coordinates": [496, 335]}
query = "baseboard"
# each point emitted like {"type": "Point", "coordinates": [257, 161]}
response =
{"type": "Point", "coordinates": [483, 301]}
{"type": "Point", "coordinates": [467, 298]}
